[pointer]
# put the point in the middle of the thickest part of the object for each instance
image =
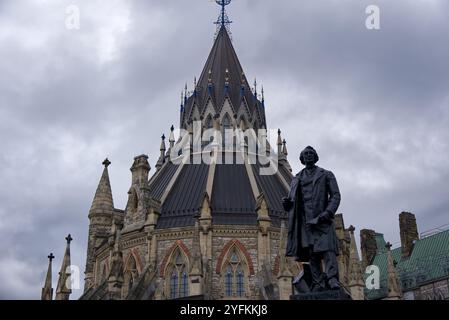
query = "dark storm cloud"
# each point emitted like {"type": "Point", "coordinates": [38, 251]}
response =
{"type": "Point", "coordinates": [374, 104]}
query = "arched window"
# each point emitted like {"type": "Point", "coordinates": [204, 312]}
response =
{"type": "Point", "coordinates": [209, 122]}
{"type": "Point", "coordinates": [174, 284]}
{"type": "Point", "coordinates": [179, 278]}
{"type": "Point", "coordinates": [130, 275]}
{"type": "Point", "coordinates": [227, 124]}
{"type": "Point", "coordinates": [235, 274]}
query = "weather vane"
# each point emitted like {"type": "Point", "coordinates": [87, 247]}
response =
{"type": "Point", "coordinates": [223, 19]}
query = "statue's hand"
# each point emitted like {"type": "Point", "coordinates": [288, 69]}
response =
{"type": "Point", "coordinates": [325, 217]}
{"type": "Point", "coordinates": [287, 203]}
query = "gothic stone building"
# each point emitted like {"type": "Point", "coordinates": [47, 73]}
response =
{"type": "Point", "coordinates": [198, 230]}
{"type": "Point", "coordinates": [214, 230]}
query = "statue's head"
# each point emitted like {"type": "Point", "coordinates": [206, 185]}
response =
{"type": "Point", "coordinates": [309, 156]}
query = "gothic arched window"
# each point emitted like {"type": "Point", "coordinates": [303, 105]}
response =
{"type": "Point", "coordinates": [235, 274]}
{"type": "Point", "coordinates": [179, 278]}
{"type": "Point", "coordinates": [129, 276]}
{"type": "Point", "coordinates": [209, 122]}
{"type": "Point", "coordinates": [226, 125]}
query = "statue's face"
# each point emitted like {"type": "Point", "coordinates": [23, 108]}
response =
{"type": "Point", "coordinates": [309, 156]}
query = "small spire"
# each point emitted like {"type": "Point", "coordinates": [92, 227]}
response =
{"type": "Point", "coordinates": [263, 95]}
{"type": "Point", "coordinates": [47, 290]}
{"type": "Point", "coordinates": [355, 274]}
{"type": "Point", "coordinates": [393, 285]}
{"type": "Point", "coordinates": [279, 138]}
{"type": "Point", "coordinates": [106, 163]}
{"type": "Point", "coordinates": [284, 148]}
{"type": "Point", "coordinates": [62, 291]}
{"type": "Point", "coordinates": [163, 142]}
{"type": "Point", "coordinates": [279, 144]}
{"type": "Point", "coordinates": [255, 87]}
{"type": "Point", "coordinates": [172, 137]}
{"type": "Point", "coordinates": [194, 82]}
{"type": "Point", "coordinates": [161, 160]}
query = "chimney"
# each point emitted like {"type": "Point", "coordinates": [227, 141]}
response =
{"type": "Point", "coordinates": [368, 246]}
{"type": "Point", "coordinates": [409, 232]}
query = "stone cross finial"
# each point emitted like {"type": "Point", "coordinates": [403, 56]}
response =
{"type": "Point", "coordinates": [388, 246]}
{"type": "Point", "coordinates": [51, 257]}
{"type": "Point", "coordinates": [172, 128]}
{"type": "Point", "coordinates": [351, 228]}
{"type": "Point", "coordinates": [106, 162]}
{"type": "Point", "coordinates": [69, 239]}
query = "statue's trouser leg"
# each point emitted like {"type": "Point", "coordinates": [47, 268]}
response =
{"type": "Point", "coordinates": [331, 266]}
{"type": "Point", "coordinates": [315, 269]}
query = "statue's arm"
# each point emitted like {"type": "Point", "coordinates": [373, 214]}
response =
{"type": "Point", "coordinates": [287, 202]}
{"type": "Point", "coordinates": [334, 194]}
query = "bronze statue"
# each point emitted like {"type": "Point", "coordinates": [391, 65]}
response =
{"type": "Point", "coordinates": [312, 202]}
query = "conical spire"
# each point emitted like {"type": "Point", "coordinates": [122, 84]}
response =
{"type": "Point", "coordinates": [103, 202]}
{"type": "Point", "coordinates": [47, 290]}
{"type": "Point", "coordinates": [161, 160]}
{"type": "Point", "coordinates": [279, 143]}
{"type": "Point", "coordinates": [63, 289]}
{"type": "Point", "coordinates": [394, 288]}
{"type": "Point", "coordinates": [171, 139]}
{"type": "Point", "coordinates": [284, 148]}
{"type": "Point", "coordinates": [222, 77]}
{"type": "Point", "coordinates": [356, 284]}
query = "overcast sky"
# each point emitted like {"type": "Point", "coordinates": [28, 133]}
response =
{"type": "Point", "coordinates": [374, 103]}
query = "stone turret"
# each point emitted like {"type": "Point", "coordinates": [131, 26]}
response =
{"type": "Point", "coordinates": [100, 217]}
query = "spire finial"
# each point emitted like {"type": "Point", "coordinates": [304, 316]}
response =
{"type": "Point", "coordinates": [255, 87]}
{"type": "Point", "coordinates": [51, 257]}
{"type": "Point", "coordinates": [106, 163]}
{"type": "Point", "coordinates": [223, 19]}
{"type": "Point", "coordinates": [69, 239]}
{"type": "Point", "coordinates": [194, 82]}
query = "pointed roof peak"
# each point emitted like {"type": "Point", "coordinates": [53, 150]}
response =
{"type": "Point", "coordinates": [63, 289]}
{"type": "Point", "coordinates": [47, 290]}
{"type": "Point", "coordinates": [103, 201]}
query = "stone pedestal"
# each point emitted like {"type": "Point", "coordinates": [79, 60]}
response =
{"type": "Point", "coordinates": [324, 295]}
